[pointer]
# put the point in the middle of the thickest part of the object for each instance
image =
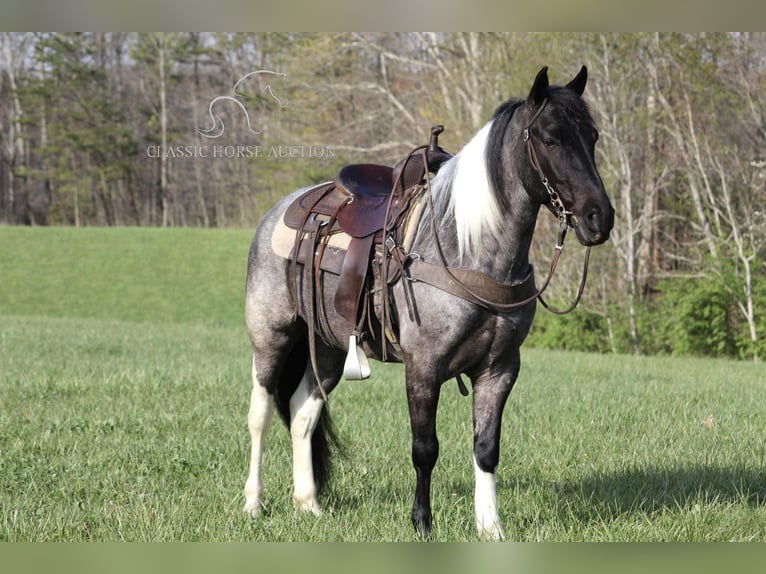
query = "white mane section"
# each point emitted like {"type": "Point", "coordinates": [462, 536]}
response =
{"type": "Point", "coordinates": [472, 199]}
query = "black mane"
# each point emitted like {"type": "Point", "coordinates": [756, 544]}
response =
{"type": "Point", "coordinates": [494, 151]}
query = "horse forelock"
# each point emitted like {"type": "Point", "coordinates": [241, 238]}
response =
{"type": "Point", "coordinates": [572, 107]}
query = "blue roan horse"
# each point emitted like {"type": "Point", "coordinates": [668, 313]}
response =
{"type": "Point", "coordinates": [480, 216]}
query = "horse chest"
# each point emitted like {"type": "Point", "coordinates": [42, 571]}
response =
{"type": "Point", "coordinates": [503, 334]}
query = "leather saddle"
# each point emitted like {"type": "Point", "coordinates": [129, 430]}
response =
{"type": "Point", "coordinates": [367, 202]}
{"type": "Point", "coordinates": [361, 194]}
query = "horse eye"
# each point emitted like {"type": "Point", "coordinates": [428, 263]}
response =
{"type": "Point", "coordinates": [549, 143]}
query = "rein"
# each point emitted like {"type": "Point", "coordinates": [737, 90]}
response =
{"type": "Point", "coordinates": [495, 296]}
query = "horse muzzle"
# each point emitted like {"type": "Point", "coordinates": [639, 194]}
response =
{"type": "Point", "coordinates": [595, 226]}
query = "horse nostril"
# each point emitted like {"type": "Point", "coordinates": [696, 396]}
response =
{"type": "Point", "coordinates": [594, 218]}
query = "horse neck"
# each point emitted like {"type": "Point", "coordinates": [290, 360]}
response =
{"type": "Point", "coordinates": [502, 252]}
{"type": "Point", "coordinates": [505, 255]}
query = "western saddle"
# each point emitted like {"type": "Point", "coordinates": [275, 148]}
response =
{"type": "Point", "coordinates": [371, 204]}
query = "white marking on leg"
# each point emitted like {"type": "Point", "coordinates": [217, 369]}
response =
{"type": "Point", "coordinates": [258, 421]}
{"type": "Point", "coordinates": [304, 415]}
{"type": "Point", "coordinates": [485, 500]}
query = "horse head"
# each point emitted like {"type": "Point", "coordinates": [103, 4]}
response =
{"type": "Point", "coordinates": [560, 140]}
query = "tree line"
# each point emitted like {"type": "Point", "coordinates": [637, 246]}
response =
{"type": "Point", "coordinates": [209, 129]}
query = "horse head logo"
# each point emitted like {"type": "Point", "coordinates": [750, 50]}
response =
{"type": "Point", "coordinates": [265, 92]}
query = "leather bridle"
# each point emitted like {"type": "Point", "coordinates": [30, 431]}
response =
{"type": "Point", "coordinates": [559, 210]}
{"type": "Point", "coordinates": [557, 206]}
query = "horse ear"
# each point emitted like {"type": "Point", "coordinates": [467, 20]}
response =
{"type": "Point", "coordinates": [578, 84]}
{"type": "Point", "coordinates": [539, 88]}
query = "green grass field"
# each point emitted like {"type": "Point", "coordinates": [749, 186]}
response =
{"type": "Point", "coordinates": [124, 381]}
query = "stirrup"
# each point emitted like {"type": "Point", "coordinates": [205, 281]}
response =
{"type": "Point", "coordinates": [356, 367]}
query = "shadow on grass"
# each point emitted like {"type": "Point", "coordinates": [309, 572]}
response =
{"type": "Point", "coordinates": [598, 497]}
{"type": "Point", "coordinates": [648, 490]}
{"type": "Point", "coordinates": [655, 489]}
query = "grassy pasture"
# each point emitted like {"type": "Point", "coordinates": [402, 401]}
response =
{"type": "Point", "coordinates": [124, 381]}
{"type": "Point", "coordinates": [141, 275]}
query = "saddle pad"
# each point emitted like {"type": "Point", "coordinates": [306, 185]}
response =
{"type": "Point", "coordinates": [283, 241]}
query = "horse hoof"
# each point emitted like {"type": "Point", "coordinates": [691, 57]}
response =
{"type": "Point", "coordinates": [494, 532]}
{"type": "Point", "coordinates": [252, 509]}
{"type": "Point", "coordinates": [308, 505]}
{"type": "Point", "coordinates": [421, 521]}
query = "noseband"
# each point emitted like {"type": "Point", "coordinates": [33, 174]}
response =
{"type": "Point", "coordinates": [558, 207]}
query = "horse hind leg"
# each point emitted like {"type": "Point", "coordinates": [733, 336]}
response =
{"type": "Point", "coordinates": [275, 356]}
{"type": "Point", "coordinates": [305, 410]}
{"type": "Point", "coordinates": [259, 419]}
{"type": "Point", "coordinates": [309, 426]}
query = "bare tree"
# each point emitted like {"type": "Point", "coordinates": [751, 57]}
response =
{"type": "Point", "coordinates": [613, 99]}
{"type": "Point", "coordinates": [725, 178]}
{"type": "Point", "coordinates": [14, 48]}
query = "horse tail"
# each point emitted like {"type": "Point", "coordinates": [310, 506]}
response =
{"type": "Point", "coordinates": [324, 440]}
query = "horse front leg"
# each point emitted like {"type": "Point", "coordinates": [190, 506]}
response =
{"type": "Point", "coordinates": [423, 398]}
{"type": "Point", "coordinates": [489, 396]}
